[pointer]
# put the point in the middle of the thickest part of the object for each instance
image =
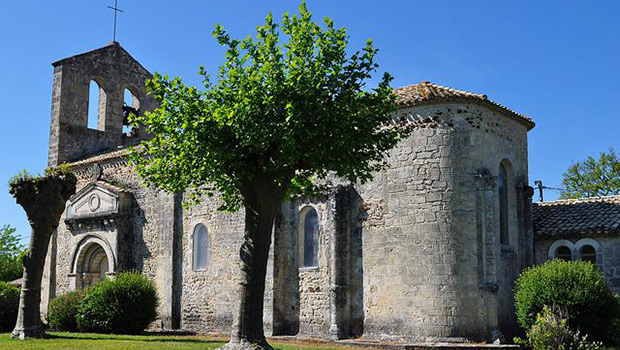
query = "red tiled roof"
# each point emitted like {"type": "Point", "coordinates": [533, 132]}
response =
{"type": "Point", "coordinates": [577, 217]}
{"type": "Point", "coordinates": [427, 93]}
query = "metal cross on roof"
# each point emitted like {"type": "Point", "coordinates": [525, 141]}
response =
{"type": "Point", "coordinates": [116, 11]}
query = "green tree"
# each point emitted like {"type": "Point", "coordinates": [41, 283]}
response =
{"type": "Point", "coordinates": [9, 241]}
{"type": "Point", "coordinates": [10, 250]}
{"type": "Point", "coordinates": [593, 177]}
{"type": "Point", "coordinates": [282, 117]}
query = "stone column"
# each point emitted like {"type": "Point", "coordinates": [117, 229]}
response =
{"type": "Point", "coordinates": [339, 255]}
{"type": "Point", "coordinates": [285, 272]}
{"type": "Point", "coordinates": [164, 275]}
{"type": "Point", "coordinates": [488, 249]}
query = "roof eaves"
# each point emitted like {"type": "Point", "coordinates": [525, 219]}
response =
{"type": "Point", "coordinates": [426, 93]}
{"type": "Point", "coordinates": [99, 158]}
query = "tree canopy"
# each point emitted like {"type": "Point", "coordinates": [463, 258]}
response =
{"type": "Point", "coordinates": [295, 109]}
{"type": "Point", "coordinates": [593, 177]}
{"type": "Point", "coordinates": [282, 118]}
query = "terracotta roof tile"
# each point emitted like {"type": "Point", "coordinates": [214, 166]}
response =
{"type": "Point", "coordinates": [577, 217]}
{"type": "Point", "coordinates": [99, 158]}
{"type": "Point", "coordinates": [427, 92]}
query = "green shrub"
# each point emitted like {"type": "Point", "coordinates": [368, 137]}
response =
{"type": "Point", "coordinates": [126, 304]}
{"type": "Point", "coordinates": [577, 288]}
{"type": "Point", "coordinates": [9, 303]}
{"type": "Point", "coordinates": [62, 311]}
{"type": "Point", "coordinates": [550, 331]}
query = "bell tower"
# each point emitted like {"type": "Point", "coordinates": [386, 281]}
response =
{"type": "Point", "coordinates": [114, 74]}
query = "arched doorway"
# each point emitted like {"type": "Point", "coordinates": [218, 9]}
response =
{"type": "Point", "coordinates": [92, 265]}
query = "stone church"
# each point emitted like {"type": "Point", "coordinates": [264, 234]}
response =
{"type": "Point", "coordinates": [427, 250]}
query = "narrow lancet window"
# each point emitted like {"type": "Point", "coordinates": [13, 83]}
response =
{"type": "Point", "coordinates": [502, 186]}
{"type": "Point", "coordinates": [201, 247]}
{"type": "Point", "coordinates": [96, 106]}
{"type": "Point", "coordinates": [131, 106]}
{"type": "Point", "coordinates": [309, 238]}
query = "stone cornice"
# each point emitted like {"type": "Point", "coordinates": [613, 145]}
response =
{"type": "Point", "coordinates": [99, 221]}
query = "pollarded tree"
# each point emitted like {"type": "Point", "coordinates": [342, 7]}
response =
{"type": "Point", "coordinates": [281, 115]}
{"type": "Point", "coordinates": [43, 199]}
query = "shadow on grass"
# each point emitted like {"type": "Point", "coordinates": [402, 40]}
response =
{"type": "Point", "coordinates": [133, 338]}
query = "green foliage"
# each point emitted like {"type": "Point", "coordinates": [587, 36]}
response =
{"type": "Point", "coordinates": [592, 177]}
{"type": "Point", "coordinates": [577, 288]}
{"type": "Point", "coordinates": [126, 304]}
{"type": "Point", "coordinates": [64, 168]}
{"type": "Point", "coordinates": [289, 111]}
{"type": "Point", "coordinates": [550, 331]}
{"type": "Point", "coordinates": [62, 311]}
{"type": "Point", "coordinates": [10, 249]}
{"type": "Point", "coordinates": [9, 241]}
{"type": "Point", "coordinates": [25, 176]}
{"type": "Point", "coordinates": [20, 177]}
{"type": "Point", "coordinates": [9, 302]}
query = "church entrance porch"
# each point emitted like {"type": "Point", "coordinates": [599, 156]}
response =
{"type": "Point", "coordinates": [97, 217]}
{"type": "Point", "coordinates": [93, 261]}
{"type": "Point", "coordinates": [92, 266]}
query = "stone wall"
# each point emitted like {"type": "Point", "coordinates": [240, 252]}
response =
{"type": "Point", "coordinates": [408, 255]}
{"type": "Point", "coordinates": [314, 282]}
{"type": "Point", "coordinates": [433, 265]}
{"type": "Point", "coordinates": [209, 297]}
{"type": "Point", "coordinates": [301, 295]}
{"type": "Point", "coordinates": [485, 140]}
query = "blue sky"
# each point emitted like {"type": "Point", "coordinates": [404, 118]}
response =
{"type": "Point", "coordinates": [556, 61]}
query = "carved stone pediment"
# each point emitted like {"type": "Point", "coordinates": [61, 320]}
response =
{"type": "Point", "coordinates": [96, 204]}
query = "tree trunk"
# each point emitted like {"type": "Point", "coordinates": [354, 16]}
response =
{"type": "Point", "coordinates": [29, 315]}
{"type": "Point", "coordinates": [44, 200]}
{"type": "Point", "coordinates": [260, 204]}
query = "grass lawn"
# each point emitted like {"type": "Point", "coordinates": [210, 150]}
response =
{"type": "Point", "coordinates": [62, 340]}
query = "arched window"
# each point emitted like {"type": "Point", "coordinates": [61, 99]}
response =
{"type": "Point", "coordinates": [588, 253]}
{"type": "Point", "coordinates": [201, 247]}
{"type": "Point", "coordinates": [309, 238]}
{"type": "Point", "coordinates": [131, 105]}
{"type": "Point", "coordinates": [564, 253]}
{"type": "Point", "coordinates": [96, 106]}
{"type": "Point", "coordinates": [502, 186]}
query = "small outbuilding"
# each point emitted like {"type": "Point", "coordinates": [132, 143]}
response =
{"type": "Point", "coordinates": [580, 229]}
